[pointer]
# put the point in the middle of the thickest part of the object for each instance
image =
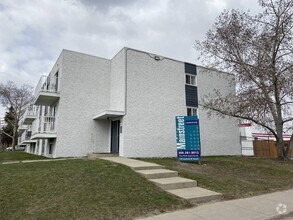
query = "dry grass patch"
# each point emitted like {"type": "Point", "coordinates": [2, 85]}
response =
{"type": "Point", "coordinates": [235, 177]}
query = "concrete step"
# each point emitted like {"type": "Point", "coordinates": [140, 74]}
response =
{"type": "Point", "coordinates": [133, 164]}
{"type": "Point", "coordinates": [174, 183]}
{"type": "Point", "coordinates": [147, 167]}
{"type": "Point", "coordinates": [94, 156]}
{"type": "Point", "coordinates": [157, 173]}
{"type": "Point", "coordinates": [196, 195]}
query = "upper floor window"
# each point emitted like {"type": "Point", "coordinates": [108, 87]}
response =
{"type": "Point", "coordinates": [191, 111]}
{"type": "Point", "coordinates": [190, 80]}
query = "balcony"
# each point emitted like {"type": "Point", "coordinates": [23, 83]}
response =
{"type": "Point", "coordinates": [25, 138]}
{"type": "Point", "coordinates": [22, 127]}
{"type": "Point", "coordinates": [30, 115]}
{"type": "Point", "coordinates": [46, 92]}
{"type": "Point", "coordinates": [46, 129]}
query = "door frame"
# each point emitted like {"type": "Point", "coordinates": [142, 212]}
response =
{"type": "Point", "coordinates": [118, 136]}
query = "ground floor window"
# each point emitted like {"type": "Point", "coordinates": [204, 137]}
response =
{"type": "Point", "coordinates": [191, 111]}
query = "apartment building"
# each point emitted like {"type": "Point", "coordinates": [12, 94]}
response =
{"type": "Point", "coordinates": [126, 105]}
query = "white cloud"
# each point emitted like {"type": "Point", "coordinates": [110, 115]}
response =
{"type": "Point", "coordinates": [33, 32]}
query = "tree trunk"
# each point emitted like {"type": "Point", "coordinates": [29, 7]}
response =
{"type": "Point", "coordinates": [280, 142]}
{"type": "Point", "coordinates": [14, 139]}
{"type": "Point", "coordinates": [289, 148]}
{"type": "Point", "coordinates": [1, 144]}
{"type": "Point", "coordinates": [280, 149]}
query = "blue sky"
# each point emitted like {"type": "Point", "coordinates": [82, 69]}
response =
{"type": "Point", "coordinates": [33, 32]}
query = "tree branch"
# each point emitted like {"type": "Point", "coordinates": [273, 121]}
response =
{"type": "Point", "coordinates": [7, 134]}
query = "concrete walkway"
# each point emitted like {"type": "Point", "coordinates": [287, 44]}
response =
{"type": "Point", "coordinates": [167, 180]}
{"type": "Point", "coordinates": [132, 163]}
{"type": "Point", "coordinates": [33, 161]}
{"type": "Point", "coordinates": [268, 206]}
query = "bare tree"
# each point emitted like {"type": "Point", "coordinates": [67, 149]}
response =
{"type": "Point", "coordinates": [18, 98]}
{"type": "Point", "coordinates": [258, 50]}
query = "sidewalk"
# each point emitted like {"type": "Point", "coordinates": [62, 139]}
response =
{"type": "Point", "coordinates": [33, 161]}
{"type": "Point", "coordinates": [266, 206]}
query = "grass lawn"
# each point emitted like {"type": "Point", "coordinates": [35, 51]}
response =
{"type": "Point", "coordinates": [6, 156]}
{"type": "Point", "coordinates": [79, 189]}
{"type": "Point", "coordinates": [235, 177]}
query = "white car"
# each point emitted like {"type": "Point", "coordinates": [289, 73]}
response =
{"type": "Point", "coordinates": [20, 147]}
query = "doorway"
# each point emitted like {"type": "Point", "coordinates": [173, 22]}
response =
{"type": "Point", "coordinates": [115, 125]}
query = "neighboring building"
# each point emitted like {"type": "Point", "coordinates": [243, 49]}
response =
{"type": "Point", "coordinates": [246, 139]}
{"type": "Point", "coordinates": [125, 105]}
{"type": "Point", "coordinates": [249, 134]}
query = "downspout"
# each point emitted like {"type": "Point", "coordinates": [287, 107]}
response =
{"type": "Point", "coordinates": [125, 91]}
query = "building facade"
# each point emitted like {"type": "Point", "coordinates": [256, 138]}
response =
{"type": "Point", "coordinates": [126, 105]}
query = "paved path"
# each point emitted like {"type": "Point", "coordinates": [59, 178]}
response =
{"type": "Point", "coordinates": [33, 161]}
{"type": "Point", "coordinates": [258, 207]}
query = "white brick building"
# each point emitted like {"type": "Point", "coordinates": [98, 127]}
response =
{"type": "Point", "coordinates": [125, 105]}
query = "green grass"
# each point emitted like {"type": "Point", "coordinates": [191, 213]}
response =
{"type": "Point", "coordinates": [6, 156]}
{"type": "Point", "coordinates": [79, 189]}
{"type": "Point", "coordinates": [235, 177]}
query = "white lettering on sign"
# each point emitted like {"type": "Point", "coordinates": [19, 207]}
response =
{"type": "Point", "coordinates": [181, 132]}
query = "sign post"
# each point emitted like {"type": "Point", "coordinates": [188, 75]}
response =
{"type": "Point", "coordinates": [188, 138]}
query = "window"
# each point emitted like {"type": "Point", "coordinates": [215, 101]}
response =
{"type": "Point", "coordinates": [41, 111]}
{"type": "Point", "coordinates": [56, 81]}
{"type": "Point", "coordinates": [50, 148]}
{"type": "Point", "coordinates": [54, 110]}
{"type": "Point", "coordinates": [190, 80]}
{"type": "Point", "coordinates": [46, 110]}
{"type": "Point", "coordinates": [191, 111]}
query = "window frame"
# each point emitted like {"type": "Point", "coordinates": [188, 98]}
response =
{"type": "Point", "coordinates": [190, 81]}
{"type": "Point", "coordinates": [192, 111]}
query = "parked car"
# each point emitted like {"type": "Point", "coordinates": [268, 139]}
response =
{"type": "Point", "coordinates": [20, 147]}
{"type": "Point", "coordinates": [9, 148]}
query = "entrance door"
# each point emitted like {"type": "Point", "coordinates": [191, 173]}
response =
{"type": "Point", "coordinates": [115, 136]}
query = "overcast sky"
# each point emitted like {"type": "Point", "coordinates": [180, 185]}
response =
{"type": "Point", "coordinates": [33, 32]}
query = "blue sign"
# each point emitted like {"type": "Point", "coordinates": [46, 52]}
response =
{"type": "Point", "coordinates": [188, 138]}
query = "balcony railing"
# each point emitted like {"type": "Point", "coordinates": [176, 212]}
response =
{"type": "Point", "coordinates": [25, 137]}
{"type": "Point", "coordinates": [22, 127]}
{"type": "Point", "coordinates": [46, 92]}
{"type": "Point", "coordinates": [30, 115]}
{"type": "Point", "coordinates": [47, 124]}
{"type": "Point", "coordinates": [31, 111]}
{"type": "Point", "coordinates": [46, 128]}
{"type": "Point", "coordinates": [47, 84]}
{"type": "Point", "coordinates": [40, 85]}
